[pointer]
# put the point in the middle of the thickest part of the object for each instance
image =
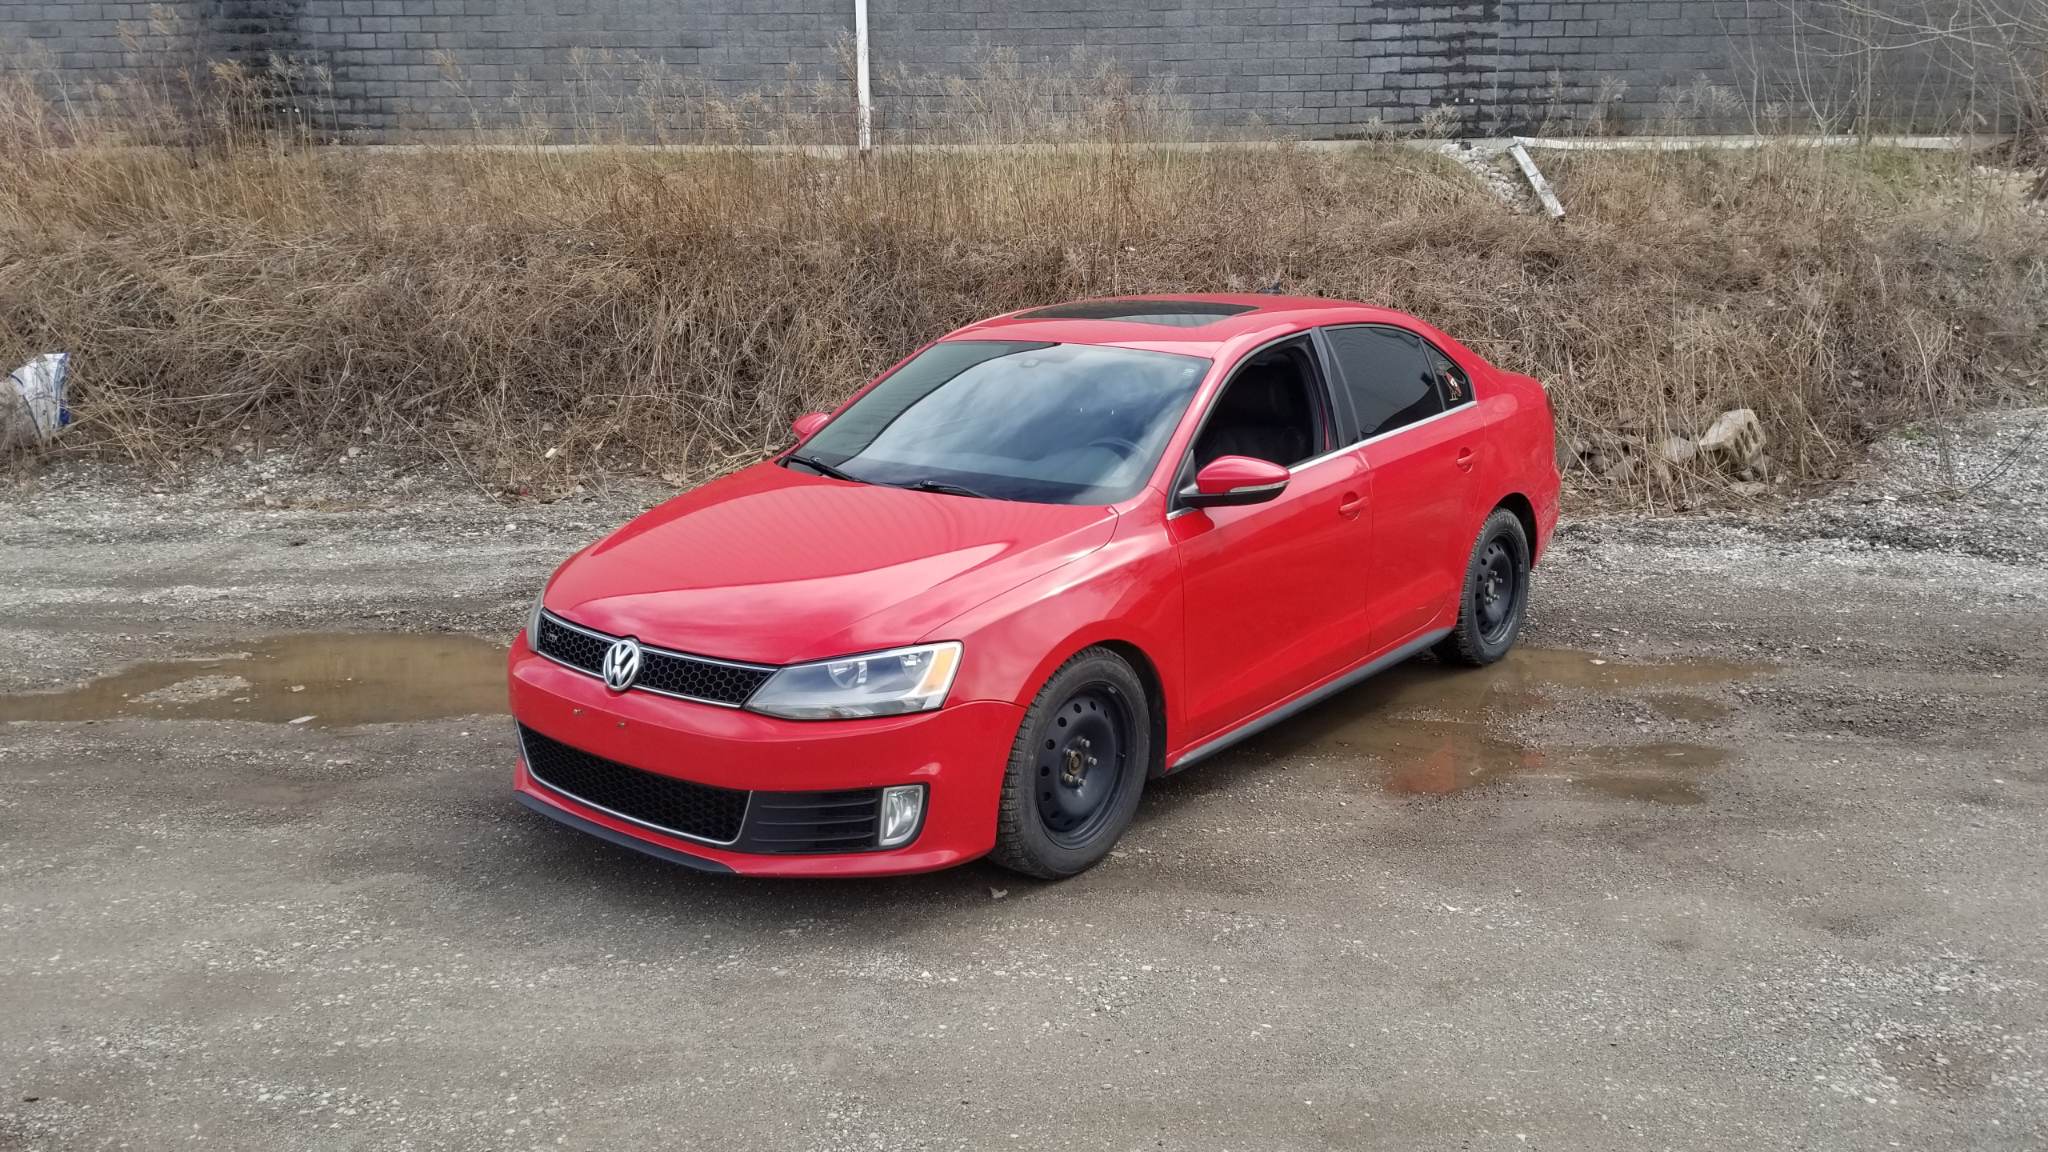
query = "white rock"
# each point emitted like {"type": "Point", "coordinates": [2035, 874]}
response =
{"type": "Point", "coordinates": [1736, 438]}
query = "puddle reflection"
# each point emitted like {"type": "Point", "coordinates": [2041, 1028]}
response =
{"type": "Point", "coordinates": [1420, 729]}
{"type": "Point", "coordinates": [1423, 729]}
{"type": "Point", "coordinates": [335, 679]}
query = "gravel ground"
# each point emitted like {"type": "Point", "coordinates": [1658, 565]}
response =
{"type": "Point", "coordinates": [1744, 849]}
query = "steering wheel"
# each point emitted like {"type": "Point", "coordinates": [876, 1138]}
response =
{"type": "Point", "coordinates": [1122, 447]}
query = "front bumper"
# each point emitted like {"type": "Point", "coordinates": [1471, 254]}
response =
{"type": "Point", "coordinates": [958, 753]}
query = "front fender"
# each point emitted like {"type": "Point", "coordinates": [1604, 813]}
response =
{"type": "Point", "coordinates": [1128, 592]}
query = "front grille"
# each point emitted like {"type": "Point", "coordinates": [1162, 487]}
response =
{"type": "Point", "coordinates": [577, 649]}
{"type": "Point", "coordinates": [698, 811]}
{"type": "Point", "coordinates": [813, 821]}
{"type": "Point", "coordinates": [783, 823]}
{"type": "Point", "coordinates": [671, 673]}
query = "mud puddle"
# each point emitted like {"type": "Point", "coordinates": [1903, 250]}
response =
{"type": "Point", "coordinates": [1426, 729]}
{"type": "Point", "coordinates": [320, 680]}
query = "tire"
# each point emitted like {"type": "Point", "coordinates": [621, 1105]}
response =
{"type": "Point", "coordinates": [1077, 769]}
{"type": "Point", "coordinates": [1495, 595]}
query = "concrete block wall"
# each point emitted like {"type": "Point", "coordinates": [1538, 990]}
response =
{"type": "Point", "coordinates": [384, 69]}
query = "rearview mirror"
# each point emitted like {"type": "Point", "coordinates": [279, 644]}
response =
{"type": "Point", "coordinates": [807, 425]}
{"type": "Point", "coordinates": [1230, 481]}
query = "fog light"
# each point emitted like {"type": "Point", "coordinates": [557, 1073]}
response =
{"type": "Point", "coordinates": [902, 808]}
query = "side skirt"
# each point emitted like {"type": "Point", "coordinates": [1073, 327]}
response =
{"type": "Point", "coordinates": [1309, 699]}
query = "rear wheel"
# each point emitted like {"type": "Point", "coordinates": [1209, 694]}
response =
{"type": "Point", "coordinates": [1495, 596]}
{"type": "Point", "coordinates": [1077, 769]}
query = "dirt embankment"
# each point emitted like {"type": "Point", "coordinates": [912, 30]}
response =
{"type": "Point", "coordinates": [543, 316]}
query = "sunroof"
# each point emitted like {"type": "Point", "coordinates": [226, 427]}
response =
{"type": "Point", "coordinates": [1171, 313]}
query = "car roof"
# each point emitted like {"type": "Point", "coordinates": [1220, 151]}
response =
{"type": "Point", "coordinates": [1191, 324]}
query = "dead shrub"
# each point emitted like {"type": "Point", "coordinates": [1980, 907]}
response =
{"type": "Point", "coordinates": [672, 310]}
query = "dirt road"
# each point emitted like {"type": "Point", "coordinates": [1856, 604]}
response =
{"type": "Point", "coordinates": [1746, 849]}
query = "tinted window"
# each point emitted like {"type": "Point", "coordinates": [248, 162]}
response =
{"type": "Point", "coordinates": [1388, 378]}
{"type": "Point", "coordinates": [1047, 423]}
{"type": "Point", "coordinates": [1456, 385]}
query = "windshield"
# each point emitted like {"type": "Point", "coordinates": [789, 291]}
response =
{"type": "Point", "coordinates": [1046, 423]}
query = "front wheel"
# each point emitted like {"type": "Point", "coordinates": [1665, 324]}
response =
{"type": "Point", "coordinates": [1077, 769]}
{"type": "Point", "coordinates": [1495, 595]}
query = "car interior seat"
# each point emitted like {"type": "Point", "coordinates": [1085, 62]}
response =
{"type": "Point", "coordinates": [1264, 414]}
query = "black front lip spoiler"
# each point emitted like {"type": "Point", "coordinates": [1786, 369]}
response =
{"type": "Point", "coordinates": [621, 839]}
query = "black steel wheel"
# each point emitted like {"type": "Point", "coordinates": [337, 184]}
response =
{"type": "Point", "coordinates": [1497, 590]}
{"type": "Point", "coordinates": [1081, 763]}
{"type": "Point", "coordinates": [1077, 769]}
{"type": "Point", "coordinates": [1495, 596]}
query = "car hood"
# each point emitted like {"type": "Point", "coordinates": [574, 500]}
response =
{"type": "Point", "coordinates": [771, 565]}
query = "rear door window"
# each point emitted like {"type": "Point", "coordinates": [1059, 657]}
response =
{"type": "Point", "coordinates": [1456, 385]}
{"type": "Point", "coordinates": [1387, 375]}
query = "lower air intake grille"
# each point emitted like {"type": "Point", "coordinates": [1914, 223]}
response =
{"type": "Point", "coordinates": [812, 821]}
{"type": "Point", "coordinates": [776, 822]}
{"type": "Point", "coordinates": [699, 811]}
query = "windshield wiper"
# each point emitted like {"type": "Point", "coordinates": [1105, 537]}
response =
{"type": "Point", "coordinates": [820, 467]}
{"type": "Point", "coordinates": [944, 488]}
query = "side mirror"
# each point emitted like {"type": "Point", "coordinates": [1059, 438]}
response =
{"type": "Point", "coordinates": [1230, 481]}
{"type": "Point", "coordinates": [807, 425]}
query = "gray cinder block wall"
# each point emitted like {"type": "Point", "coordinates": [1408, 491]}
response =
{"type": "Point", "coordinates": [383, 69]}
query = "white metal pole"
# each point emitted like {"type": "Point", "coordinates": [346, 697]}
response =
{"type": "Point", "coordinates": [860, 73]}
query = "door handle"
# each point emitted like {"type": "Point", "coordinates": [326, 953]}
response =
{"type": "Point", "coordinates": [1465, 458]}
{"type": "Point", "coordinates": [1351, 506]}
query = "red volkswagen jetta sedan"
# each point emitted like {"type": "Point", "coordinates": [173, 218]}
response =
{"type": "Point", "coordinates": [1044, 559]}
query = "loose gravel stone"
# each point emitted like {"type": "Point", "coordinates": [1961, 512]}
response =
{"type": "Point", "coordinates": [1745, 849]}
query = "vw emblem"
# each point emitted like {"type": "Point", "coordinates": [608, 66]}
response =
{"type": "Point", "coordinates": [622, 664]}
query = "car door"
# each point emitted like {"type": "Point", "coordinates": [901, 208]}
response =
{"type": "Point", "coordinates": [1271, 590]}
{"type": "Point", "coordinates": [1424, 449]}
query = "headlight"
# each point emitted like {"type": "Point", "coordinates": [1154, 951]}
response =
{"type": "Point", "coordinates": [873, 684]}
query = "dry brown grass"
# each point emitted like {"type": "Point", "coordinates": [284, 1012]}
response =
{"type": "Point", "coordinates": [672, 311]}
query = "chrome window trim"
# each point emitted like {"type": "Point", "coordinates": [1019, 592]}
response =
{"type": "Point", "coordinates": [1327, 456]}
{"type": "Point", "coordinates": [607, 638]}
{"type": "Point", "coordinates": [665, 830]}
{"type": "Point", "coordinates": [1407, 427]}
